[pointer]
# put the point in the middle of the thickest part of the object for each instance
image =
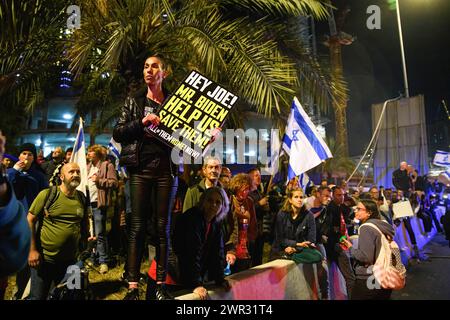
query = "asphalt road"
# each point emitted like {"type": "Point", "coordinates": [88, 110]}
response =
{"type": "Point", "coordinates": [429, 280]}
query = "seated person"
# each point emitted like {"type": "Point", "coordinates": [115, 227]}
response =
{"type": "Point", "coordinates": [198, 245]}
{"type": "Point", "coordinates": [295, 226]}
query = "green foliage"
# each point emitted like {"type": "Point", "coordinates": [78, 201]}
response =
{"type": "Point", "coordinates": [29, 47]}
{"type": "Point", "coordinates": [340, 163]}
{"type": "Point", "coordinates": [245, 45]}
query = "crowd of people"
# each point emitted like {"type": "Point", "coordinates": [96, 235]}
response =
{"type": "Point", "coordinates": [215, 219]}
{"type": "Point", "coordinates": [199, 222]}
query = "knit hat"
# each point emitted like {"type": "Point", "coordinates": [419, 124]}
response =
{"type": "Point", "coordinates": [11, 157]}
{"type": "Point", "coordinates": [29, 147]}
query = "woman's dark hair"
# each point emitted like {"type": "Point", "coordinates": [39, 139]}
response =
{"type": "Point", "coordinates": [164, 65]}
{"type": "Point", "coordinates": [372, 208]}
{"type": "Point", "coordinates": [225, 201]}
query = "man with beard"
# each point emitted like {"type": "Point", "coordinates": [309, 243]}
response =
{"type": "Point", "coordinates": [211, 171]}
{"type": "Point", "coordinates": [54, 246]}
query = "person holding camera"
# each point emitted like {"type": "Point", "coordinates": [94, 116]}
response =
{"type": "Point", "coordinates": [14, 231]}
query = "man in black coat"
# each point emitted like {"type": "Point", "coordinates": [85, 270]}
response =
{"type": "Point", "coordinates": [337, 220]}
{"type": "Point", "coordinates": [401, 179]}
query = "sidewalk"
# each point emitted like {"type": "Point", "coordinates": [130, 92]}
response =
{"type": "Point", "coordinates": [429, 280]}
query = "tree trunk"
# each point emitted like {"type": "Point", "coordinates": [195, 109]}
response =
{"type": "Point", "coordinates": [340, 104]}
{"type": "Point", "coordinates": [92, 133]}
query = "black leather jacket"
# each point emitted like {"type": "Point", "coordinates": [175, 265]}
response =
{"type": "Point", "coordinates": [129, 130]}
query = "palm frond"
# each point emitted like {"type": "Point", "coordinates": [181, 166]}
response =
{"type": "Point", "coordinates": [317, 8]}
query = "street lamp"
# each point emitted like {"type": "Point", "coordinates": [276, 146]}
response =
{"type": "Point", "coordinates": [405, 75]}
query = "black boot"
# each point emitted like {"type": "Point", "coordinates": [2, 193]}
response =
{"type": "Point", "coordinates": [162, 293]}
{"type": "Point", "coordinates": [132, 294]}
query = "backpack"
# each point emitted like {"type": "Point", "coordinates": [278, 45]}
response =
{"type": "Point", "coordinates": [63, 291]}
{"type": "Point", "coordinates": [50, 199]}
{"type": "Point", "coordinates": [388, 270]}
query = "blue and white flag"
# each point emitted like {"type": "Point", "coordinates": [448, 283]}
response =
{"type": "Point", "coordinates": [275, 149]}
{"type": "Point", "coordinates": [442, 158]}
{"type": "Point", "coordinates": [304, 181]}
{"type": "Point", "coordinates": [444, 177]}
{"type": "Point", "coordinates": [79, 157]}
{"type": "Point", "coordinates": [302, 142]}
{"type": "Point", "coordinates": [114, 149]}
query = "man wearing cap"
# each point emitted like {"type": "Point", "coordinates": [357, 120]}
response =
{"type": "Point", "coordinates": [27, 179]}
{"type": "Point", "coordinates": [26, 176]}
{"type": "Point", "coordinates": [8, 161]}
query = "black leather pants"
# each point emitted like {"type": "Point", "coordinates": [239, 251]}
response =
{"type": "Point", "coordinates": [152, 197]}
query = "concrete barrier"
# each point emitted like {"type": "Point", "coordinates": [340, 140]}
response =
{"type": "Point", "coordinates": [285, 280]}
{"type": "Point", "coordinates": [404, 241]}
{"type": "Point", "coordinates": [276, 280]}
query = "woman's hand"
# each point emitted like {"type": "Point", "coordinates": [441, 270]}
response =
{"type": "Point", "coordinates": [215, 133]}
{"type": "Point", "coordinates": [289, 250]}
{"type": "Point", "coordinates": [230, 258]}
{"type": "Point", "coordinates": [304, 244]}
{"type": "Point", "coordinates": [202, 292]}
{"type": "Point", "coordinates": [346, 243]}
{"type": "Point", "coordinates": [151, 118]}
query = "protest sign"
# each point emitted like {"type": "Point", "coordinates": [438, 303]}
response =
{"type": "Point", "coordinates": [192, 112]}
{"type": "Point", "coordinates": [402, 209]}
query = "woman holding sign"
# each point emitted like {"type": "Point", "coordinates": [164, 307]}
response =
{"type": "Point", "coordinates": [153, 180]}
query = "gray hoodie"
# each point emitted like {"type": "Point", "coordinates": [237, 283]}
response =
{"type": "Point", "coordinates": [369, 245]}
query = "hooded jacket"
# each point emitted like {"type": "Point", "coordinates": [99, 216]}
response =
{"type": "Point", "coordinates": [369, 246]}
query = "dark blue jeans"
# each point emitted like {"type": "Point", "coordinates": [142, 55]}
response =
{"type": "Point", "coordinates": [43, 276]}
{"type": "Point", "coordinates": [100, 233]}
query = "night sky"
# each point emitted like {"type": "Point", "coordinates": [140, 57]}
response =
{"type": "Point", "coordinates": [373, 67]}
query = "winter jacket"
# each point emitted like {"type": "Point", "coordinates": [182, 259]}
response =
{"type": "Point", "coordinates": [401, 180]}
{"type": "Point", "coordinates": [261, 211]}
{"type": "Point", "coordinates": [194, 193]}
{"type": "Point", "coordinates": [129, 131]}
{"type": "Point", "coordinates": [14, 236]}
{"type": "Point", "coordinates": [27, 185]}
{"type": "Point", "coordinates": [198, 254]}
{"type": "Point", "coordinates": [332, 227]}
{"type": "Point", "coordinates": [234, 217]}
{"type": "Point", "coordinates": [369, 246]}
{"type": "Point", "coordinates": [287, 234]}
{"type": "Point", "coordinates": [105, 183]}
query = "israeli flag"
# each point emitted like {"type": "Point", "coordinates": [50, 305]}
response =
{"type": "Point", "coordinates": [79, 157]}
{"type": "Point", "coordinates": [114, 149]}
{"type": "Point", "coordinates": [304, 181]}
{"type": "Point", "coordinates": [446, 174]}
{"type": "Point", "coordinates": [442, 158]}
{"type": "Point", "coordinates": [302, 142]}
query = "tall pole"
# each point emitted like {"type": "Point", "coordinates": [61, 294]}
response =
{"type": "Point", "coordinates": [405, 75]}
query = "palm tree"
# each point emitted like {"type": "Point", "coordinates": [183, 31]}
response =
{"type": "Point", "coordinates": [340, 164]}
{"type": "Point", "coordinates": [242, 44]}
{"type": "Point", "coordinates": [30, 45]}
{"type": "Point", "coordinates": [335, 41]}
